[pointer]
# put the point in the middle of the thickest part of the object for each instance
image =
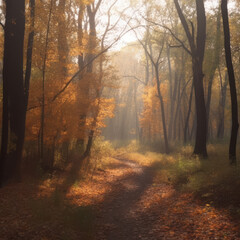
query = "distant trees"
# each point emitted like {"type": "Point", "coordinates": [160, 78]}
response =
{"type": "Point", "coordinates": [195, 110]}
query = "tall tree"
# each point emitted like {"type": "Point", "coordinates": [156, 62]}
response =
{"type": "Point", "coordinates": [232, 83]}
{"type": "Point", "coordinates": [156, 63]}
{"type": "Point", "coordinates": [197, 49]}
{"type": "Point", "coordinates": [29, 51]}
{"type": "Point", "coordinates": [43, 86]}
{"type": "Point", "coordinates": [63, 50]}
{"type": "Point", "coordinates": [13, 125]}
{"type": "Point", "coordinates": [215, 63]}
{"type": "Point", "coordinates": [222, 103]}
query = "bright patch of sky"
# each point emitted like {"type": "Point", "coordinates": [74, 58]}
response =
{"type": "Point", "coordinates": [136, 11]}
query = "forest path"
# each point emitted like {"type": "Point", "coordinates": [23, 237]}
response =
{"type": "Point", "coordinates": [139, 208]}
{"type": "Point", "coordinates": [121, 201]}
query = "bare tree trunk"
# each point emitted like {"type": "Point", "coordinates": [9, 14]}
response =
{"type": "Point", "coordinates": [174, 99]}
{"type": "Point", "coordinates": [29, 51]}
{"type": "Point", "coordinates": [136, 112]}
{"type": "Point", "coordinates": [177, 107]}
{"type": "Point", "coordinates": [186, 126]}
{"type": "Point", "coordinates": [92, 10]}
{"type": "Point", "coordinates": [80, 140]}
{"type": "Point", "coordinates": [231, 77]}
{"type": "Point", "coordinates": [13, 91]}
{"type": "Point", "coordinates": [170, 93]}
{"type": "Point", "coordinates": [197, 53]}
{"type": "Point", "coordinates": [221, 107]}
{"type": "Point", "coordinates": [162, 110]}
{"type": "Point", "coordinates": [214, 66]}
{"type": "Point", "coordinates": [62, 39]}
{"type": "Point", "coordinates": [43, 86]}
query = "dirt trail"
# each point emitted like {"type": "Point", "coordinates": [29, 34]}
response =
{"type": "Point", "coordinates": [119, 204]}
{"type": "Point", "coordinates": [122, 202]}
{"type": "Point", "coordinates": [138, 208]}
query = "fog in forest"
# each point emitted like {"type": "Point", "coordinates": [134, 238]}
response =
{"type": "Point", "coordinates": [119, 119]}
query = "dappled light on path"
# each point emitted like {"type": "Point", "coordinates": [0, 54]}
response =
{"type": "Point", "coordinates": [125, 201]}
{"type": "Point", "coordinates": [151, 210]}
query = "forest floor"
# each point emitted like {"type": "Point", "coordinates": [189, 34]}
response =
{"type": "Point", "coordinates": [123, 201]}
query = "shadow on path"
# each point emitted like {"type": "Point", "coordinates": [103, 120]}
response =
{"type": "Point", "coordinates": [138, 209]}
{"type": "Point", "coordinates": [118, 203]}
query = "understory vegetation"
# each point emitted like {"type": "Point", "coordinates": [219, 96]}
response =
{"type": "Point", "coordinates": [74, 201]}
{"type": "Point", "coordinates": [214, 180]}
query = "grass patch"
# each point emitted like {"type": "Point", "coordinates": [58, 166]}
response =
{"type": "Point", "coordinates": [212, 180]}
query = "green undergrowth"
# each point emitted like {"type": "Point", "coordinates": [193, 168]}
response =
{"type": "Point", "coordinates": [212, 180]}
{"type": "Point", "coordinates": [102, 154]}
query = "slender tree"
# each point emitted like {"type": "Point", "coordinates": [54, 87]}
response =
{"type": "Point", "coordinates": [29, 51]}
{"type": "Point", "coordinates": [197, 49]}
{"type": "Point", "coordinates": [215, 63]}
{"type": "Point", "coordinates": [232, 83]}
{"type": "Point", "coordinates": [43, 86]}
{"type": "Point", "coordinates": [222, 103]}
{"type": "Point", "coordinates": [156, 64]}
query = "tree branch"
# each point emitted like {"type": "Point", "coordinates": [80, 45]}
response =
{"type": "Point", "coordinates": [173, 34]}
{"type": "Point", "coordinates": [124, 32]}
{"type": "Point", "coordinates": [185, 26]}
{"type": "Point", "coordinates": [136, 78]}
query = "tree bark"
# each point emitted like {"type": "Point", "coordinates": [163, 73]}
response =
{"type": "Point", "coordinates": [162, 110]}
{"type": "Point", "coordinates": [221, 107]}
{"type": "Point", "coordinates": [232, 83]}
{"type": "Point", "coordinates": [29, 51]}
{"type": "Point", "coordinates": [197, 53]}
{"type": "Point", "coordinates": [170, 93]}
{"type": "Point", "coordinates": [62, 39]}
{"type": "Point", "coordinates": [188, 116]}
{"type": "Point", "coordinates": [92, 10]}
{"type": "Point", "coordinates": [43, 86]}
{"type": "Point", "coordinates": [214, 66]}
{"type": "Point", "coordinates": [13, 128]}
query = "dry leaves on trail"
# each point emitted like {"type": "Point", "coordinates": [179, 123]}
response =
{"type": "Point", "coordinates": [121, 202]}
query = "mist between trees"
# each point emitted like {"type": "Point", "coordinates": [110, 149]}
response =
{"type": "Point", "coordinates": [163, 73]}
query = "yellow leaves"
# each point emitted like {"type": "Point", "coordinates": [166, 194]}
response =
{"type": "Point", "coordinates": [79, 108]}
{"type": "Point", "coordinates": [151, 116]}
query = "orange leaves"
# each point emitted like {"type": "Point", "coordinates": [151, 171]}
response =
{"type": "Point", "coordinates": [151, 116]}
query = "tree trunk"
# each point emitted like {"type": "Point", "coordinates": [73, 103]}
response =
{"type": "Point", "coordinates": [201, 133]}
{"type": "Point", "coordinates": [43, 86]}
{"type": "Point", "coordinates": [170, 93]}
{"type": "Point", "coordinates": [29, 51]}
{"type": "Point", "coordinates": [177, 106]}
{"type": "Point", "coordinates": [221, 107]}
{"type": "Point", "coordinates": [92, 46]}
{"type": "Point", "coordinates": [188, 116]}
{"type": "Point", "coordinates": [214, 66]}
{"type": "Point", "coordinates": [231, 77]}
{"type": "Point", "coordinates": [13, 90]}
{"type": "Point", "coordinates": [162, 111]}
{"type": "Point", "coordinates": [62, 40]}
{"type": "Point", "coordinates": [197, 53]}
